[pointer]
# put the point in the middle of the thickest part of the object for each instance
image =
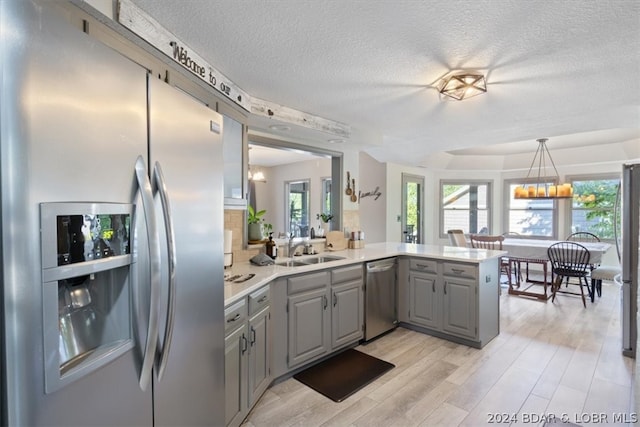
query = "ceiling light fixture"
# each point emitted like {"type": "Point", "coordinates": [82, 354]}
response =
{"type": "Point", "coordinates": [463, 85]}
{"type": "Point", "coordinates": [542, 186]}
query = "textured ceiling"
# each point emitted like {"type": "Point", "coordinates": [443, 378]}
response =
{"type": "Point", "coordinates": [554, 68]}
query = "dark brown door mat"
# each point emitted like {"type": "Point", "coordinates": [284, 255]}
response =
{"type": "Point", "coordinates": [344, 374]}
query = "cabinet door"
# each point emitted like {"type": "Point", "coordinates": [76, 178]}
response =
{"type": "Point", "coordinates": [424, 300]}
{"type": "Point", "coordinates": [235, 376]}
{"type": "Point", "coordinates": [234, 152]}
{"type": "Point", "coordinates": [460, 307]}
{"type": "Point", "coordinates": [309, 334]}
{"type": "Point", "coordinates": [346, 313]}
{"type": "Point", "coordinates": [259, 361]}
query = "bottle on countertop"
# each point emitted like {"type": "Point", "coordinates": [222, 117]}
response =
{"type": "Point", "coordinates": [271, 247]}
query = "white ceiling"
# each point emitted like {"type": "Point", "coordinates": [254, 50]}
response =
{"type": "Point", "coordinates": [566, 70]}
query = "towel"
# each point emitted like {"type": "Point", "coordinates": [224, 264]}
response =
{"type": "Point", "coordinates": [261, 259]}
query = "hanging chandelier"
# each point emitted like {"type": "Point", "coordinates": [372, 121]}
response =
{"type": "Point", "coordinates": [539, 185]}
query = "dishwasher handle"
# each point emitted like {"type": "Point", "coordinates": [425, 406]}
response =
{"type": "Point", "coordinates": [378, 267]}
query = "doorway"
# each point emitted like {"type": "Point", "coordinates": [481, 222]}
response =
{"type": "Point", "coordinates": [412, 207]}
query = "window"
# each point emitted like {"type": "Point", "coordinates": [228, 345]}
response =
{"type": "Point", "coordinates": [592, 208]}
{"type": "Point", "coordinates": [465, 205]}
{"type": "Point", "coordinates": [298, 207]}
{"type": "Point", "coordinates": [535, 218]}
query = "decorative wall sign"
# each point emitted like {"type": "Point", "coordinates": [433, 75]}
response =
{"type": "Point", "coordinates": [375, 193]}
{"type": "Point", "coordinates": [149, 29]}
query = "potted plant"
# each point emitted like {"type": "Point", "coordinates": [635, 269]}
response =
{"type": "Point", "coordinates": [254, 223]}
{"type": "Point", "coordinates": [324, 226]}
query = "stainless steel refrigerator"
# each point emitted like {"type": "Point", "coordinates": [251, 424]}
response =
{"type": "Point", "coordinates": [630, 216]}
{"type": "Point", "coordinates": [111, 235]}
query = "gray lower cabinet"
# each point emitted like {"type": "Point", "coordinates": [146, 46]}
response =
{"type": "Point", "coordinates": [347, 309]}
{"type": "Point", "coordinates": [247, 354]}
{"type": "Point", "coordinates": [309, 319]}
{"type": "Point", "coordinates": [459, 307]}
{"type": "Point", "coordinates": [425, 300]}
{"type": "Point", "coordinates": [315, 314]}
{"type": "Point", "coordinates": [453, 300]}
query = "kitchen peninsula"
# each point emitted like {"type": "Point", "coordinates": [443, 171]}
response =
{"type": "Point", "coordinates": [265, 274]}
{"type": "Point", "coordinates": [281, 318]}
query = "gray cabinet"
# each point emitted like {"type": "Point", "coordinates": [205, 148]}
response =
{"type": "Point", "coordinates": [448, 299]}
{"type": "Point", "coordinates": [235, 365]}
{"type": "Point", "coordinates": [234, 151]}
{"type": "Point", "coordinates": [347, 310]}
{"type": "Point", "coordinates": [460, 301]}
{"type": "Point", "coordinates": [309, 318]}
{"type": "Point", "coordinates": [247, 354]}
{"type": "Point", "coordinates": [259, 375]}
{"type": "Point", "coordinates": [425, 300]}
{"type": "Point", "coordinates": [315, 314]}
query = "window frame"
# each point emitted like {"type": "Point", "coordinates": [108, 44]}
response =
{"type": "Point", "coordinates": [588, 177]}
{"type": "Point", "coordinates": [508, 196]}
{"type": "Point", "coordinates": [489, 202]}
{"type": "Point", "coordinates": [306, 204]}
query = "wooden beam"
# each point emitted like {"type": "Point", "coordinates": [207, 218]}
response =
{"type": "Point", "coordinates": [300, 118]}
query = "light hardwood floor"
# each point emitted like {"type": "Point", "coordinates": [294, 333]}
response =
{"type": "Point", "coordinates": [549, 358]}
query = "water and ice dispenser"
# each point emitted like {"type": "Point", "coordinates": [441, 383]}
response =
{"type": "Point", "coordinates": [86, 259]}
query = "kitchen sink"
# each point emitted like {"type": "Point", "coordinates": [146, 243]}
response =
{"type": "Point", "coordinates": [309, 261]}
{"type": "Point", "coordinates": [291, 263]}
{"type": "Point", "coordinates": [322, 258]}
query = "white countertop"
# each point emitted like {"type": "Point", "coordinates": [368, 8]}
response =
{"type": "Point", "coordinates": [264, 274]}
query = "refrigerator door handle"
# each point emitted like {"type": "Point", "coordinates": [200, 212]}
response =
{"type": "Point", "coordinates": [158, 177]}
{"type": "Point", "coordinates": [154, 272]}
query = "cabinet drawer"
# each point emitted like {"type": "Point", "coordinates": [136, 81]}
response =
{"type": "Point", "coordinates": [235, 315]}
{"type": "Point", "coordinates": [307, 282]}
{"type": "Point", "coordinates": [345, 274]}
{"type": "Point", "coordinates": [460, 270]}
{"type": "Point", "coordinates": [258, 300]}
{"type": "Point", "coordinates": [423, 265]}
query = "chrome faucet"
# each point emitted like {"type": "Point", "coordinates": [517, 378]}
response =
{"type": "Point", "coordinates": [292, 247]}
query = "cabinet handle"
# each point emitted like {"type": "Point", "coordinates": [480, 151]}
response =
{"type": "Point", "coordinates": [324, 299]}
{"type": "Point", "coordinates": [236, 317]}
{"type": "Point", "coordinates": [253, 336]}
{"type": "Point", "coordinates": [422, 265]}
{"type": "Point", "coordinates": [263, 299]}
{"type": "Point", "coordinates": [433, 286]}
{"type": "Point", "coordinates": [335, 299]}
{"type": "Point", "coordinates": [457, 270]}
{"type": "Point", "coordinates": [445, 288]}
{"type": "Point", "coordinates": [246, 346]}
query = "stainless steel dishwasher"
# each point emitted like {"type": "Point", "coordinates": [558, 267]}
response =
{"type": "Point", "coordinates": [380, 313]}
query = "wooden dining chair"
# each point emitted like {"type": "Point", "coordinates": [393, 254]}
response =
{"type": "Point", "coordinates": [586, 237]}
{"type": "Point", "coordinates": [456, 238]}
{"type": "Point", "coordinates": [486, 241]}
{"type": "Point", "coordinates": [582, 236]}
{"type": "Point", "coordinates": [570, 259]}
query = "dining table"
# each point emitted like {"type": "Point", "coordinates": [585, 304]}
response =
{"type": "Point", "coordinates": [534, 251]}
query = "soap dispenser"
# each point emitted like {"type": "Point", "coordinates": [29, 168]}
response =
{"type": "Point", "coordinates": [271, 247]}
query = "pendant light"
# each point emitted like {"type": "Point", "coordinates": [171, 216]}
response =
{"type": "Point", "coordinates": [538, 181]}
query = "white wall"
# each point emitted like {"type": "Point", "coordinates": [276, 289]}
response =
{"type": "Point", "coordinates": [373, 207]}
{"type": "Point", "coordinates": [270, 195]}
